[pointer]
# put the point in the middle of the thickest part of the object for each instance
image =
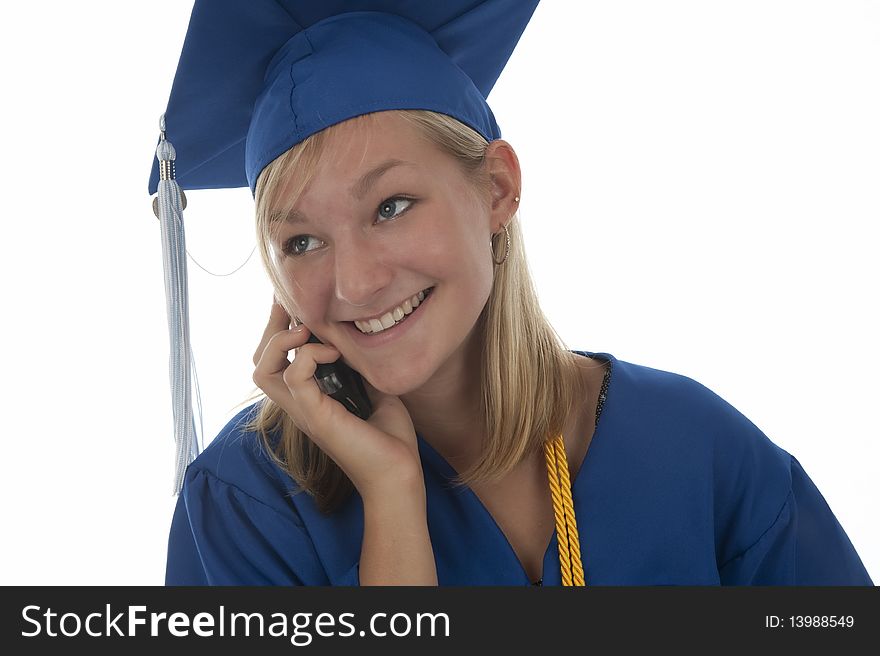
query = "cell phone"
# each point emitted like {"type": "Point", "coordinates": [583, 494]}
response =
{"type": "Point", "coordinates": [344, 384]}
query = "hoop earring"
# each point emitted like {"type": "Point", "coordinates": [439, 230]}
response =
{"type": "Point", "coordinates": [506, 250]}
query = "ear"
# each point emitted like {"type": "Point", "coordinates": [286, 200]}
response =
{"type": "Point", "coordinates": [506, 180]}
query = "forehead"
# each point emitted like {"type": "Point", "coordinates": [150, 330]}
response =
{"type": "Point", "coordinates": [353, 156]}
{"type": "Point", "coordinates": [355, 145]}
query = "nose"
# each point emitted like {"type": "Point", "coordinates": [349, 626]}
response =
{"type": "Point", "coordinates": [361, 273]}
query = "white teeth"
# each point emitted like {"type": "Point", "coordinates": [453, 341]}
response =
{"type": "Point", "coordinates": [390, 318]}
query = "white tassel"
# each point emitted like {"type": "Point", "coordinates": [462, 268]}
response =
{"type": "Point", "coordinates": [181, 364]}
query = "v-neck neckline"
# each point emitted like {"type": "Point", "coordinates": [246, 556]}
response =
{"type": "Point", "coordinates": [450, 473]}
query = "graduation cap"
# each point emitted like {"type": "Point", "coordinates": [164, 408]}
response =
{"type": "Point", "coordinates": [257, 77]}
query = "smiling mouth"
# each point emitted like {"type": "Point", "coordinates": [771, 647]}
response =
{"type": "Point", "coordinates": [395, 316]}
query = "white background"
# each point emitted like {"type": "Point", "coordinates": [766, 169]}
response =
{"type": "Point", "coordinates": [700, 195]}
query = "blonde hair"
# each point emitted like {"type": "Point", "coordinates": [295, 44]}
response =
{"type": "Point", "coordinates": [529, 379]}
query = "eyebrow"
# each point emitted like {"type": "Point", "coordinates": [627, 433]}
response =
{"type": "Point", "coordinates": [358, 190]}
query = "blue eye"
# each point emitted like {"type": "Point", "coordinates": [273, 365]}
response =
{"type": "Point", "coordinates": [388, 209]}
{"type": "Point", "coordinates": [292, 246]}
{"type": "Point", "coordinates": [392, 207]}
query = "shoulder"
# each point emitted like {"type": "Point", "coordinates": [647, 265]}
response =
{"type": "Point", "coordinates": [672, 399]}
{"type": "Point", "coordinates": [687, 413]}
{"type": "Point", "coordinates": [690, 438]}
{"type": "Point", "coordinates": [238, 459]}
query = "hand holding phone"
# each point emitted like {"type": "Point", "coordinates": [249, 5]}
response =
{"type": "Point", "coordinates": [379, 454]}
{"type": "Point", "coordinates": [344, 384]}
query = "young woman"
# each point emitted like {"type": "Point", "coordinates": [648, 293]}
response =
{"type": "Point", "coordinates": [493, 455]}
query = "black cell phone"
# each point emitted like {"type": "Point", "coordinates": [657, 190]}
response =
{"type": "Point", "coordinates": [344, 384]}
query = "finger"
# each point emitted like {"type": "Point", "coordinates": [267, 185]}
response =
{"type": "Point", "coordinates": [292, 385]}
{"type": "Point", "coordinates": [278, 320]}
{"type": "Point", "coordinates": [277, 305]}
{"type": "Point", "coordinates": [273, 359]}
{"type": "Point", "coordinates": [299, 377]}
{"type": "Point", "coordinates": [274, 362]}
{"type": "Point", "coordinates": [322, 417]}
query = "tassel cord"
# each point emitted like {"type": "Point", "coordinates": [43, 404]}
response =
{"type": "Point", "coordinates": [181, 364]}
{"type": "Point", "coordinates": [570, 565]}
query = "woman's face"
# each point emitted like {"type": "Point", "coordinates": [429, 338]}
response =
{"type": "Point", "coordinates": [386, 216]}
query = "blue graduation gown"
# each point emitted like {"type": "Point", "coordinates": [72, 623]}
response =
{"type": "Point", "coordinates": [677, 488]}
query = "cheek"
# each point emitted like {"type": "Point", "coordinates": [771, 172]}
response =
{"type": "Point", "coordinates": [308, 291]}
{"type": "Point", "coordinates": [461, 260]}
{"type": "Point", "coordinates": [464, 249]}
{"type": "Point", "coordinates": [457, 234]}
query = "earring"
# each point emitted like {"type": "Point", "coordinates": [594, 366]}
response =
{"type": "Point", "coordinates": [506, 250]}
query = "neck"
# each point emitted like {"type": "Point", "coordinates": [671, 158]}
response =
{"type": "Point", "coordinates": [446, 409]}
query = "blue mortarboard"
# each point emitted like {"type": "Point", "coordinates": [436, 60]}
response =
{"type": "Point", "coordinates": [256, 77]}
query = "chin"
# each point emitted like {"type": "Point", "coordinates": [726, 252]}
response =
{"type": "Point", "coordinates": [394, 385]}
{"type": "Point", "coordinates": [398, 382]}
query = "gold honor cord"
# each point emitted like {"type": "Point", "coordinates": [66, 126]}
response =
{"type": "Point", "coordinates": [563, 509]}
